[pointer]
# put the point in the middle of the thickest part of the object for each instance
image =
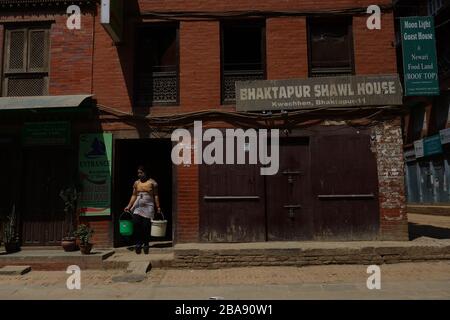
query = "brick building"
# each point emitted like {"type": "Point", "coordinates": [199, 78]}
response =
{"type": "Point", "coordinates": [428, 174]}
{"type": "Point", "coordinates": [341, 169]}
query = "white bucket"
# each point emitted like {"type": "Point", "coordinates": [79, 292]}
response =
{"type": "Point", "coordinates": [159, 228]}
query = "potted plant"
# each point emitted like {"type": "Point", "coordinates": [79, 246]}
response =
{"type": "Point", "coordinates": [84, 234]}
{"type": "Point", "coordinates": [69, 196]}
{"type": "Point", "coordinates": [10, 236]}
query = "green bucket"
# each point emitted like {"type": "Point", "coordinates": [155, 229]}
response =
{"type": "Point", "coordinates": [125, 226]}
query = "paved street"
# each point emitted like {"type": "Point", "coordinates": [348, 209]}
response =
{"type": "Point", "coordinates": [398, 281]}
{"type": "Point", "coordinates": [424, 280]}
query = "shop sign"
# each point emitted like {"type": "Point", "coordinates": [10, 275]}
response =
{"type": "Point", "coordinates": [432, 145]}
{"type": "Point", "coordinates": [95, 162]}
{"type": "Point", "coordinates": [419, 56]}
{"type": "Point", "coordinates": [112, 19]}
{"type": "Point", "coordinates": [46, 133]}
{"type": "Point", "coordinates": [418, 148]}
{"type": "Point", "coordinates": [445, 136]}
{"type": "Point", "coordinates": [312, 93]}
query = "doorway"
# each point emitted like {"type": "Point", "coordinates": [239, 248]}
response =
{"type": "Point", "coordinates": [155, 154]}
{"type": "Point", "coordinates": [45, 172]}
{"type": "Point", "coordinates": [8, 170]}
{"type": "Point", "coordinates": [289, 205]}
{"type": "Point", "coordinates": [326, 188]}
{"type": "Point", "coordinates": [238, 204]}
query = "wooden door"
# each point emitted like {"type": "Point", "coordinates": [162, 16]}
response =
{"type": "Point", "coordinates": [288, 193]}
{"type": "Point", "coordinates": [345, 188]}
{"type": "Point", "coordinates": [45, 172]}
{"type": "Point", "coordinates": [8, 173]}
{"type": "Point", "coordinates": [231, 203]}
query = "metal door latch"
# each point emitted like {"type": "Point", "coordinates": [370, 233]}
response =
{"type": "Point", "coordinates": [291, 174]}
{"type": "Point", "coordinates": [291, 208]}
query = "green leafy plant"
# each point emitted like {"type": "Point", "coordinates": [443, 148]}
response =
{"type": "Point", "coordinates": [84, 233]}
{"type": "Point", "coordinates": [70, 196]}
{"type": "Point", "coordinates": [9, 233]}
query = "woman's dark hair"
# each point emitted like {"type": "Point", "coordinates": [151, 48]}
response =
{"type": "Point", "coordinates": [143, 169]}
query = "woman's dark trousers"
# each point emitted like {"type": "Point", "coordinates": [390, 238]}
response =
{"type": "Point", "coordinates": [142, 228]}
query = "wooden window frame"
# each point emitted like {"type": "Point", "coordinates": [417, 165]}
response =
{"type": "Point", "coordinates": [240, 23]}
{"type": "Point", "coordinates": [146, 25]}
{"type": "Point", "coordinates": [26, 72]}
{"type": "Point", "coordinates": [331, 72]}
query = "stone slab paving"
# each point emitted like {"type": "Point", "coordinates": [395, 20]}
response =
{"type": "Point", "coordinates": [425, 280]}
{"type": "Point", "coordinates": [138, 267]}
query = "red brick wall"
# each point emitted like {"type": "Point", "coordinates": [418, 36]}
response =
{"type": "Point", "coordinates": [103, 235]}
{"type": "Point", "coordinates": [374, 49]}
{"type": "Point", "coordinates": [71, 57]}
{"type": "Point", "coordinates": [70, 68]}
{"type": "Point", "coordinates": [187, 204]}
{"type": "Point", "coordinates": [199, 65]}
{"type": "Point", "coordinates": [286, 48]}
{"type": "Point", "coordinates": [70, 72]}
{"type": "Point", "coordinates": [199, 45]}
{"type": "Point", "coordinates": [113, 69]}
{"type": "Point", "coordinates": [389, 153]}
{"type": "Point", "coordinates": [287, 57]}
{"type": "Point", "coordinates": [110, 72]}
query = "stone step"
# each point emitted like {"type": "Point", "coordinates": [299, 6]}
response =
{"type": "Point", "coordinates": [139, 267]}
{"type": "Point", "coordinates": [14, 270]}
{"type": "Point", "coordinates": [215, 256]}
{"type": "Point", "coordinates": [51, 260]}
{"type": "Point", "coordinates": [122, 260]}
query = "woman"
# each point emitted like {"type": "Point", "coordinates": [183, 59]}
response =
{"type": "Point", "coordinates": [142, 205]}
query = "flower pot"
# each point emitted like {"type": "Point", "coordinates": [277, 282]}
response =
{"type": "Point", "coordinates": [69, 244]}
{"type": "Point", "coordinates": [12, 247]}
{"type": "Point", "coordinates": [86, 248]}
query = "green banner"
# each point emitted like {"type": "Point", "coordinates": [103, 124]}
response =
{"type": "Point", "coordinates": [46, 133]}
{"type": "Point", "coordinates": [432, 145]}
{"type": "Point", "coordinates": [419, 56]}
{"type": "Point", "coordinates": [95, 160]}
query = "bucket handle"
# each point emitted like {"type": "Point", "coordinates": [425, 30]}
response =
{"type": "Point", "coordinates": [163, 217]}
{"type": "Point", "coordinates": [120, 217]}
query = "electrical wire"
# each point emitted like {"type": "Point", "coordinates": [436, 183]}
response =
{"type": "Point", "coordinates": [298, 118]}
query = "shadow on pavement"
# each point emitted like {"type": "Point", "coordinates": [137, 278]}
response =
{"type": "Point", "coordinates": [421, 230]}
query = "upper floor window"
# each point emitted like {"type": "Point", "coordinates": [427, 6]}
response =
{"type": "Point", "coordinates": [25, 71]}
{"type": "Point", "coordinates": [434, 6]}
{"type": "Point", "coordinates": [243, 55]}
{"type": "Point", "coordinates": [330, 47]}
{"type": "Point", "coordinates": [157, 66]}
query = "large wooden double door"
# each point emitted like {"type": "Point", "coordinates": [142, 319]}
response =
{"type": "Point", "coordinates": [326, 188]}
{"type": "Point", "coordinates": [238, 204]}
